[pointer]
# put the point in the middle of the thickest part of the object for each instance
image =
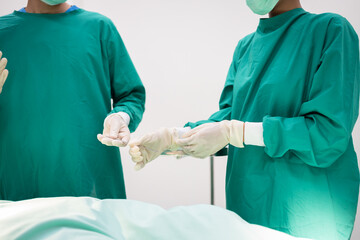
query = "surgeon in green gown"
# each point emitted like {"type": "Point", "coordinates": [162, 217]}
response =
{"type": "Point", "coordinates": [287, 111]}
{"type": "Point", "coordinates": [66, 65]}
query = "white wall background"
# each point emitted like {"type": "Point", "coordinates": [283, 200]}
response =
{"type": "Point", "coordinates": [182, 51]}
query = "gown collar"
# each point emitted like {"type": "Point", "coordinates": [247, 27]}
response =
{"type": "Point", "coordinates": [271, 24]}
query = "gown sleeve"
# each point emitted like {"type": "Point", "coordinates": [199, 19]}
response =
{"type": "Point", "coordinates": [127, 90]}
{"type": "Point", "coordinates": [225, 103]}
{"type": "Point", "coordinates": [322, 131]}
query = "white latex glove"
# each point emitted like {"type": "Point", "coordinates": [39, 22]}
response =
{"type": "Point", "coordinates": [116, 132]}
{"type": "Point", "coordinates": [151, 145]}
{"type": "Point", "coordinates": [209, 138]}
{"type": "Point", "coordinates": [3, 72]}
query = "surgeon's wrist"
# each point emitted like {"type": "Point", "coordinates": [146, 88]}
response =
{"type": "Point", "coordinates": [236, 133]}
{"type": "Point", "coordinates": [175, 134]}
{"type": "Point", "coordinates": [253, 134]}
{"type": "Point", "coordinates": [124, 116]}
{"type": "Point", "coordinates": [181, 131]}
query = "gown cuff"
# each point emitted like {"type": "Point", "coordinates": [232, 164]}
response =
{"type": "Point", "coordinates": [124, 116]}
{"type": "Point", "coordinates": [254, 134]}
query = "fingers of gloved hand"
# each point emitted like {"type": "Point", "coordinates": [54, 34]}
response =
{"type": "Point", "coordinates": [115, 125]}
{"type": "Point", "coordinates": [124, 136]}
{"type": "Point", "coordinates": [147, 155]}
{"type": "Point", "coordinates": [189, 150]}
{"type": "Point", "coordinates": [99, 137]}
{"type": "Point", "coordinates": [115, 132]}
{"type": "Point", "coordinates": [194, 152]}
{"type": "Point", "coordinates": [3, 77]}
{"type": "Point", "coordinates": [3, 63]}
{"type": "Point", "coordinates": [139, 166]}
{"type": "Point", "coordinates": [134, 145]}
{"type": "Point", "coordinates": [118, 143]}
{"type": "Point", "coordinates": [102, 138]}
{"type": "Point", "coordinates": [106, 130]}
{"type": "Point", "coordinates": [107, 141]}
{"type": "Point", "coordinates": [135, 153]}
{"type": "Point", "coordinates": [186, 141]}
{"type": "Point", "coordinates": [137, 159]}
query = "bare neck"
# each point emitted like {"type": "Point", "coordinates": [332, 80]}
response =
{"type": "Point", "coordinates": [37, 6]}
{"type": "Point", "coordinates": [284, 6]}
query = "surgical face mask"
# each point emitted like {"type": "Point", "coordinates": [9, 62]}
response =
{"type": "Point", "coordinates": [53, 2]}
{"type": "Point", "coordinates": [261, 7]}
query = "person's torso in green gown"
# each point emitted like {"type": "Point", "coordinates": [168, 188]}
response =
{"type": "Point", "coordinates": [304, 86]}
{"type": "Point", "coordinates": [53, 105]}
{"type": "Point", "coordinates": [275, 67]}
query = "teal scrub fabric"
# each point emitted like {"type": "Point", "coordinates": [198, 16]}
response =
{"type": "Point", "coordinates": [64, 71]}
{"type": "Point", "coordinates": [299, 75]}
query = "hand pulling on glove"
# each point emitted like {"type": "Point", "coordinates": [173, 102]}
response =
{"type": "Point", "coordinates": [116, 132]}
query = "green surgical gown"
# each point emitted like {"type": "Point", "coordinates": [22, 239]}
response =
{"type": "Point", "coordinates": [299, 75]}
{"type": "Point", "coordinates": [64, 71]}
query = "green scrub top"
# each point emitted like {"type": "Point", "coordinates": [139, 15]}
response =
{"type": "Point", "coordinates": [64, 70]}
{"type": "Point", "coordinates": [299, 75]}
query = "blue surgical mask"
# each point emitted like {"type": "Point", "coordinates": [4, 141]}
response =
{"type": "Point", "coordinates": [261, 7]}
{"type": "Point", "coordinates": [53, 2]}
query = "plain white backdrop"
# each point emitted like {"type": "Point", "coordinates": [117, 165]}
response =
{"type": "Point", "coordinates": [182, 51]}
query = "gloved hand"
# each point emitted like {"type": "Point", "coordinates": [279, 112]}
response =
{"type": "Point", "coordinates": [151, 145]}
{"type": "Point", "coordinates": [116, 132]}
{"type": "Point", "coordinates": [209, 138]}
{"type": "Point", "coordinates": [3, 72]}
